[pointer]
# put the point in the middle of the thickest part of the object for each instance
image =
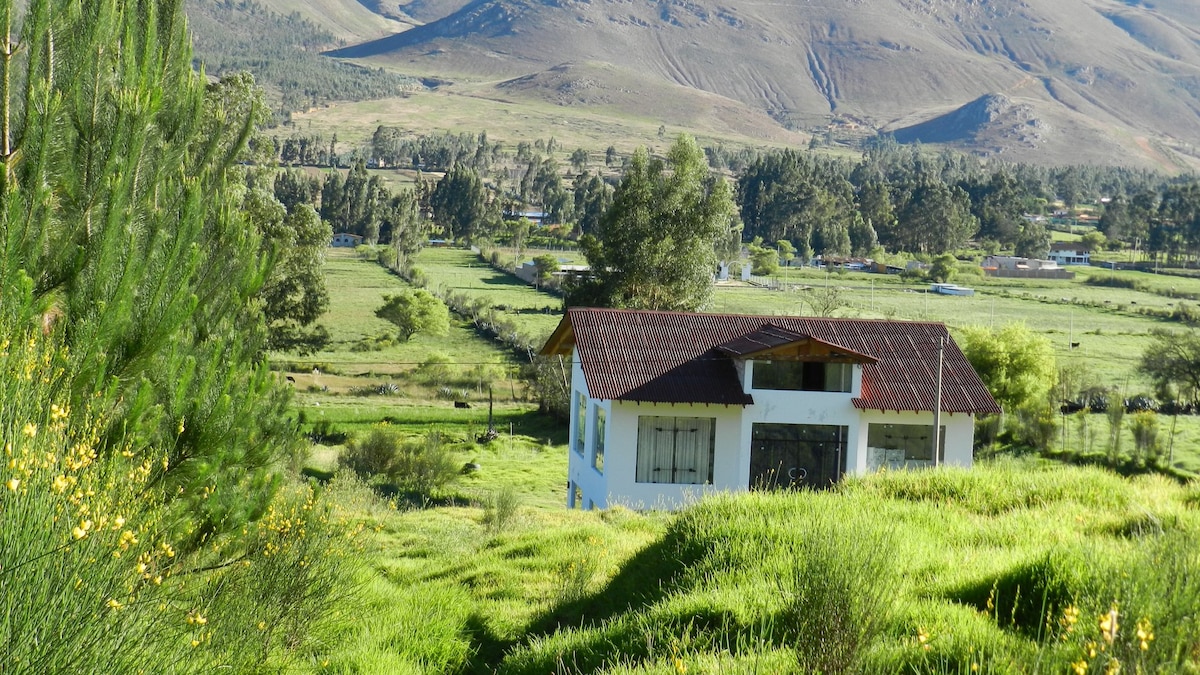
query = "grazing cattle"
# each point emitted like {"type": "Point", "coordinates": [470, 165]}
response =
{"type": "Point", "coordinates": [1074, 345]}
{"type": "Point", "coordinates": [291, 379]}
{"type": "Point", "coordinates": [461, 404]}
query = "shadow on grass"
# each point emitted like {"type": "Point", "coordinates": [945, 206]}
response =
{"type": "Point", "coordinates": [645, 580]}
{"type": "Point", "coordinates": [411, 499]}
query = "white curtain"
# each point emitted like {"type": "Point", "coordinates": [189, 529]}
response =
{"type": "Point", "coordinates": [675, 450]}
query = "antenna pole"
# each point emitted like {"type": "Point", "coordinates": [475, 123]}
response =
{"type": "Point", "coordinates": [937, 405]}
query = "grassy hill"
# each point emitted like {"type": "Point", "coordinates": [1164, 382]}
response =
{"type": "Point", "coordinates": [1011, 567]}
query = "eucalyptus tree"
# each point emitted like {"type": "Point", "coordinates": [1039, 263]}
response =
{"type": "Point", "coordinates": [655, 247]}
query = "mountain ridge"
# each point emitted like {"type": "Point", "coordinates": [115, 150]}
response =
{"type": "Point", "coordinates": [1090, 68]}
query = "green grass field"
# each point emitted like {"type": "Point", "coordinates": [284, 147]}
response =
{"type": "Point", "coordinates": [944, 571]}
{"type": "Point", "coordinates": [461, 270]}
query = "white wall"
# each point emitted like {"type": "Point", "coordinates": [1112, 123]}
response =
{"type": "Point", "coordinates": [621, 455]}
{"type": "Point", "coordinates": [734, 424]}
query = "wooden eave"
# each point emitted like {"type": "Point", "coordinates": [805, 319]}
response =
{"type": "Point", "coordinates": [561, 341]}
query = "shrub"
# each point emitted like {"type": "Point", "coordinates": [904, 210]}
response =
{"type": "Point", "coordinates": [424, 465]}
{"type": "Point", "coordinates": [435, 369]}
{"type": "Point", "coordinates": [500, 508]}
{"type": "Point", "coordinates": [841, 593]}
{"type": "Point", "coordinates": [375, 455]}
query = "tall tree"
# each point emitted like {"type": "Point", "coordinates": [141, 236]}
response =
{"type": "Point", "coordinates": [655, 247]}
{"type": "Point", "coordinates": [118, 221]}
{"type": "Point", "coordinates": [463, 206]}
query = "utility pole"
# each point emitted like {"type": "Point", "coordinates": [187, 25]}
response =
{"type": "Point", "coordinates": [937, 405]}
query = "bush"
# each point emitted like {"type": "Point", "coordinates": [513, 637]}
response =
{"type": "Point", "coordinates": [424, 465]}
{"type": "Point", "coordinates": [500, 508]}
{"type": "Point", "coordinates": [420, 465]}
{"type": "Point", "coordinates": [841, 593]}
{"type": "Point", "coordinates": [374, 455]}
{"type": "Point", "coordinates": [435, 369]}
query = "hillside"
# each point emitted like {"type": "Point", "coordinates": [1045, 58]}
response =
{"type": "Point", "coordinates": [1129, 73]}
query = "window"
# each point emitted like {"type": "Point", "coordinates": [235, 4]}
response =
{"type": "Point", "coordinates": [598, 459]}
{"type": "Point", "coordinates": [803, 376]}
{"type": "Point", "coordinates": [676, 450]}
{"type": "Point", "coordinates": [900, 446]}
{"type": "Point", "coordinates": [581, 401]}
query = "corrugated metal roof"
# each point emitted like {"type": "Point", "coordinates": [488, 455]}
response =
{"type": "Point", "coordinates": [673, 357]}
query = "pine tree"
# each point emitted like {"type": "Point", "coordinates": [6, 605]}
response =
{"type": "Point", "coordinates": [117, 224]}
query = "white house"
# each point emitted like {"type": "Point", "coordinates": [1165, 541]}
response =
{"type": "Point", "coordinates": [1070, 253]}
{"type": "Point", "coordinates": [669, 406]}
{"type": "Point", "coordinates": [345, 239]}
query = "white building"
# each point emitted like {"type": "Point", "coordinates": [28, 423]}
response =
{"type": "Point", "coordinates": [668, 406]}
{"type": "Point", "coordinates": [1069, 253]}
{"type": "Point", "coordinates": [346, 240]}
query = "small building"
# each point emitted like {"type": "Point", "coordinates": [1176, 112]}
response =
{"type": "Point", "coordinates": [667, 407]}
{"type": "Point", "coordinates": [1070, 253]}
{"type": "Point", "coordinates": [1013, 267]}
{"type": "Point", "coordinates": [346, 240]}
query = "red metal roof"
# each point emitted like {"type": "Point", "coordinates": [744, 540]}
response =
{"type": "Point", "coordinates": [673, 357]}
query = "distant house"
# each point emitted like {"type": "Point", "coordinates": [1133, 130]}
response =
{"type": "Point", "coordinates": [1070, 253]}
{"type": "Point", "coordinates": [346, 240]}
{"type": "Point", "coordinates": [669, 406]}
{"type": "Point", "coordinates": [1014, 267]}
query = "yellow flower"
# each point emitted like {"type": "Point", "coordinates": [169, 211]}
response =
{"type": "Point", "coordinates": [113, 604]}
{"type": "Point", "coordinates": [1080, 667]}
{"type": "Point", "coordinates": [262, 625]}
{"type": "Point", "coordinates": [1109, 625]}
{"type": "Point", "coordinates": [78, 532]}
{"type": "Point", "coordinates": [1145, 634]}
{"type": "Point", "coordinates": [1069, 618]}
{"type": "Point", "coordinates": [195, 643]}
{"type": "Point", "coordinates": [923, 639]}
{"type": "Point", "coordinates": [60, 484]}
{"type": "Point", "coordinates": [13, 484]}
{"type": "Point", "coordinates": [30, 429]}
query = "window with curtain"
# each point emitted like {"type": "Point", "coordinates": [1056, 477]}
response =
{"type": "Point", "coordinates": [676, 450]}
{"type": "Point", "coordinates": [581, 401]}
{"type": "Point", "coordinates": [598, 459]}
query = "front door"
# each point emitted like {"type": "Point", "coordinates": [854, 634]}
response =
{"type": "Point", "coordinates": [784, 456]}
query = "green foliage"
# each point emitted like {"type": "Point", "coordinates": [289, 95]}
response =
{"type": "Point", "coordinates": [153, 274]}
{"type": "Point", "coordinates": [463, 206]}
{"type": "Point", "coordinates": [546, 265]}
{"type": "Point", "coordinates": [419, 465]}
{"type": "Point", "coordinates": [654, 249]}
{"type": "Point", "coordinates": [840, 594]}
{"type": "Point", "coordinates": [97, 576]}
{"type": "Point", "coordinates": [763, 261]}
{"type": "Point", "coordinates": [1172, 360]}
{"type": "Point", "coordinates": [413, 312]}
{"type": "Point", "coordinates": [500, 509]}
{"type": "Point", "coordinates": [435, 369]}
{"type": "Point", "coordinates": [1016, 364]}
{"type": "Point", "coordinates": [943, 268]}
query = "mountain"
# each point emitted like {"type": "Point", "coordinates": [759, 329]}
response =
{"type": "Point", "coordinates": [1109, 81]}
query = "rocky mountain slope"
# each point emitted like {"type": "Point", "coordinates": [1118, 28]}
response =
{"type": "Point", "coordinates": [1093, 80]}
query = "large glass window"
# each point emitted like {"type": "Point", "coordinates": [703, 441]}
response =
{"type": "Point", "coordinates": [902, 446]}
{"type": "Point", "coordinates": [676, 450]}
{"type": "Point", "coordinates": [803, 376]}
{"type": "Point", "coordinates": [598, 459]}
{"type": "Point", "coordinates": [581, 401]}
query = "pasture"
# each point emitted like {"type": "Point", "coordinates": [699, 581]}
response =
{"type": "Point", "coordinates": [951, 571]}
